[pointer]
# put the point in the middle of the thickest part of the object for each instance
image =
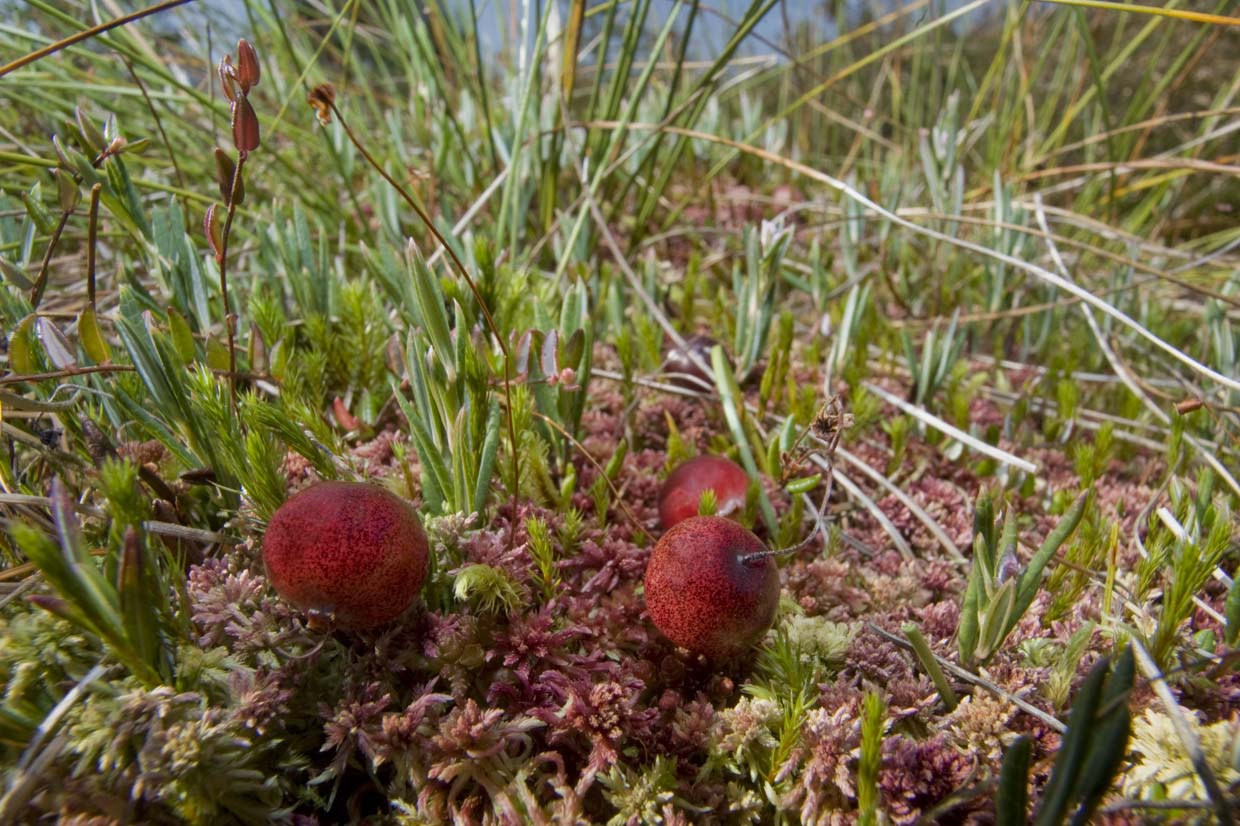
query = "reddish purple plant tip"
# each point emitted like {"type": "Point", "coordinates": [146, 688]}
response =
{"type": "Point", "coordinates": [681, 493]}
{"type": "Point", "coordinates": [349, 549]}
{"type": "Point", "coordinates": [704, 595]}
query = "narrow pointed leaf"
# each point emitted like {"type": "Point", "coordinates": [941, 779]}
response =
{"type": "Point", "coordinates": [1109, 746]}
{"type": "Point", "coordinates": [1057, 796]}
{"type": "Point", "coordinates": [731, 399]}
{"type": "Point", "coordinates": [61, 608]}
{"type": "Point", "coordinates": [68, 529]}
{"type": "Point", "coordinates": [486, 463]}
{"type": "Point", "coordinates": [1012, 800]}
{"type": "Point", "coordinates": [67, 190]}
{"type": "Point", "coordinates": [572, 348]}
{"type": "Point", "coordinates": [182, 336]}
{"type": "Point", "coordinates": [217, 355]}
{"type": "Point", "coordinates": [90, 133]}
{"type": "Point", "coordinates": [37, 212]}
{"type": "Point", "coordinates": [15, 276]}
{"type": "Point", "coordinates": [136, 602]}
{"type": "Point", "coordinates": [1232, 611]}
{"type": "Point", "coordinates": [431, 308]}
{"type": "Point", "coordinates": [967, 631]}
{"type": "Point", "coordinates": [1031, 579]}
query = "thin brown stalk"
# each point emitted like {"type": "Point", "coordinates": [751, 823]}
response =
{"type": "Point", "coordinates": [602, 472]}
{"type": "Point", "coordinates": [223, 262]}
{"type": "Point", "coordinates": [1125, 167]}
{"type": "Point", "coordinates": [68, 372]}
{"type": "Point", "coordinates": [40, 283]}
{"type": "Point", "coordinates": [473, 288]}
{"type": "Point", "coordinates": [87, 34]}
{"type": "Point", "coordinates": [159, 124]}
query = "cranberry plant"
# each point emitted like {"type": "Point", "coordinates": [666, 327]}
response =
{"type": "Point", "coordinates": [955, 288]}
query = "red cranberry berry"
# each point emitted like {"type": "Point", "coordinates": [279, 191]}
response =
{"type": "Point", "coordinates": [712, 587]}
{"type": "Point", "coordinates": [352, 550]}
{"type": "Point", "coordinates": [681, 493]}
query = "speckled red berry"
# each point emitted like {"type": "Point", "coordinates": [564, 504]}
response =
{"type": "Point", "coordinates": [352, 550]}
{"type": "Point", "coordinates": [702, 593]}
{"type": "Point", "coordinates": [679, 497]}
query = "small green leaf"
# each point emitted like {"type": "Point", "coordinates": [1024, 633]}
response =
{"type": "Point", "coordinates": [572, 348]}
{"type": "Point", "coordinates": [922, 649]}
{"type": "Point", "coordinates": [1031, 579]}
{"type": "Point", "coordinates": [21, 348]}
{"type": "Point", "coordinates": [61, 608]}
{"type": "Point", "coordinates": [431, 309]}
{"type": "Point", "coordinates": [617, 459]}
{"type": "Point", "coordinates": [134, 147]}
{"type": "Point", "coordinates": [93, 342]}
{"type": "Point", "coordinates": [217, 355]}
{"type": "Point", "coordinates": [436, 480]}
{"type": "Point", "coordinates": [996, 620]}
{"type": "Point", "coordinates": [37, 212]}
{"type": "Point", "coordinates": [967, 631]}
{"type": "Point", "coordinates": [486, 463]}
{"type": "Point", "coordinates": [15, 276]}
{"type": "Point", "coordinates": [90, 134]}
{"type": "Point", "coordinates": [984, 522]}
{"type": "Point", "coordinates": [67, 190]}
{"type": "Point", "coordinates": [1109, 745]}
{"type": "Point", "coordinates": [874, 711]}
{"type": "Point", "coordinates": [804, 484]}
{"type": "Point", "coordinates": [732, 400]}
{"type": "Point", "coordinates": [182, 336]}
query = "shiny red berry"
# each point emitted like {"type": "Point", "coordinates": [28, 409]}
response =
{"type": "Point", "coordinates": [679, 497]}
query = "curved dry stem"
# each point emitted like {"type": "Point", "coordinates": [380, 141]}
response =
{"type": "Point", "coordinates": [602, 472]}
{"type": "Point", "coordinates": [853, 194]}
{"type": "Point", "coordinates": [87, 34]}
{"type": "Point", "coordinates": [1125, 375]}
{"type": "Point", "coordinates": [473, 288]}
{"type": "Point", "coordinates": [223, 262]}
